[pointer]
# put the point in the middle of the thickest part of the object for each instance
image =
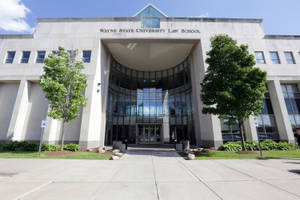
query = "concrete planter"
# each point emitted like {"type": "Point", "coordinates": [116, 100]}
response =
{"type": "Point", "coordinates": [179, 147]}
{"type": "Point", "coordinates": [117, 145]}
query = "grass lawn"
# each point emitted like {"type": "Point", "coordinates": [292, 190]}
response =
{"type": "Point", "coordinates": [233, 155]}
{"type": "Point", "coordinates": [77, 155]}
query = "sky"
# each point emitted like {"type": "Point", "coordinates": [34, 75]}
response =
{"type": "Point", "coordinates": [280, 16]}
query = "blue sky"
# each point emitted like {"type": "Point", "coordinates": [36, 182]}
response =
{"type": "Point", "coordinates": [280, 16]}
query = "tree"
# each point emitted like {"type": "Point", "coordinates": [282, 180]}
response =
{"type": "Point", "coordinates": [63, 84]}
{"type": "Point", "coordinates": [232, 88]}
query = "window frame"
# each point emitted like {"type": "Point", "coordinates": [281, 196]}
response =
{"type": "Point", "coordinates": [12, 59]}
{"type": "Point", "coordinates": [278, 58]}
{"type": "Point", "coordinates": [263, 57]}
{"type": "Point", "coordinates": [292, 57]}
{"type": "Point", "coordinates": [37, 57]}
{"type": "Point", "coordinates": [90, 56]}
{"type": "Point", "coordinates": [22, 58]}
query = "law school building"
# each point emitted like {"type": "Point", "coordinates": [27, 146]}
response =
{"type": "Point", "coordinates": [143, 75]}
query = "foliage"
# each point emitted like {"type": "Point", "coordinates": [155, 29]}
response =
{"type": "Point", "coordinates": [232, 88]}
{"type": "Point", "coordinates": [286, 146]}
{"type": "Point", "coordinates": [50, 147]}
{"type": "Point", "coordinates": [18, 146]}
{"type": "Point", "coordinates": [266, 145]}
{"type": "Point", "coordinates": [231, 146]}
{"type": "Point", "coordinates": [71, 147]}
{"type": "Point", "coordinates": [24, 146]}
{"type": "Point", "coordinates": [251, 145]}
{"type": "Point", "coordinates": [63, 83]}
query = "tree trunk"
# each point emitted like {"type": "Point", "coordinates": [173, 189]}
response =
{"type": "Point", "coordinates": [62, 135]}
{"type": "Point", "coordinates": [241, 126]}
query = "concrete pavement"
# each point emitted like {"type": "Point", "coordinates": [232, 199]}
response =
{"type": "Point", "coordinates": [149, 174]}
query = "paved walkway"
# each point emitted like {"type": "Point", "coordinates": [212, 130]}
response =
{"type": "Point", "coordinates": [147, 174]}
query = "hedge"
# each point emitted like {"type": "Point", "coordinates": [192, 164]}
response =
{"type": "Point", "coordinates": [266, 145]}
{"type": "Point", "coordinates": [28, 146]}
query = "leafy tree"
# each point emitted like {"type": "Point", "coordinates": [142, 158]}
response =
{"type": "Point", "coordinates": [63, 84]}
{"type": "Point", "coordinates": [232, 88]}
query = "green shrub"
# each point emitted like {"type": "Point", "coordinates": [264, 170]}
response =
{"type": "Point", "coordinates": [285, 146]}
{"type": "Point", "coordinates": [268, 145]}
{"type": "Point", "coordinates": [251, 145]}
{"type": "Point", "coordinates": [71, 147]}
{"type": "Point", "coordinates": [231, 146]}
{"type": "Point", "coordinates": [50, 147]}
{"type": "Point", "coordinates": [19, 146]}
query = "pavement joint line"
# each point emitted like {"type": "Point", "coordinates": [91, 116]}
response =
{"type": "Point", "coordinates": [154, 175]}
{"type": "Point", "coordinates": [199, 179]}
{"type": "Point", "coordinates": [260, 180]}
{"type": "Point", "coordinates": [33, 190]}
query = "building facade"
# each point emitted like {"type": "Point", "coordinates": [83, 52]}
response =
{"type": "Point", "coordinates": [143, 75]}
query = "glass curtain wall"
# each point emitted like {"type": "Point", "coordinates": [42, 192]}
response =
{"type": "Point", "coordinates": [292, 100]}
{"type": "Point", "coordinates": [144, 97]}
{"type": "Point", "coordinates": [267, 128]}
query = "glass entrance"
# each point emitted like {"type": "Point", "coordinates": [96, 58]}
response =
{"type": "Point", "coordinates": [149, 134]}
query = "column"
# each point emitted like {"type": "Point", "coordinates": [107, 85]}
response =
{"type": "Point", "coordinates": [280, 111]}
{"type": "Point", "coordinates": [166, 124]}
{"type": "Point", "coordinates": [52, 131]}
{"type": "Point", "coordinates": [207, 127]}
{"type": "Point", "coordinates": [250, 129]}
{"type": "Point", "coordinates": [16, 125]}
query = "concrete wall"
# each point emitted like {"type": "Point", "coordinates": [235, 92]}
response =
{"type": "Point", "coordinates": [8, 93]}
{"type": "Point", "coordinates": [36, 112]}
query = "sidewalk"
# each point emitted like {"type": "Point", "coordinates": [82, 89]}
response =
{"type": "Point", "coordinates": [149, 174]}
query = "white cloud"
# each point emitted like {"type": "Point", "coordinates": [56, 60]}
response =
{"type": "Point", "coordinates": [203, 15]}
{"type": "Point", "coordinates": [12, 16]}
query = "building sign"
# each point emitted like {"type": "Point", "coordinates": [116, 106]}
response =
{"type": "Point", "coordinates": [147, 30]}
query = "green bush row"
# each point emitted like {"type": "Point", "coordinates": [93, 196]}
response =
{"type": "Point", "coordinates": [28, 146]}
{"type": "Point", "coordinates": [266, 145]}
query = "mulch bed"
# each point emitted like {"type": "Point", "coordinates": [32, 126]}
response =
{"type": "Point", "coordinates": [247, 152]}
{"type": "Point", "coordinates": [60, 153]}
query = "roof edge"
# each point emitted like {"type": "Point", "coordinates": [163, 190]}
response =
{"type": "Point", "coordinates": [150, 4]}
{"type": "Point", "coordinates": [16, 36]}
{"type": "Point", "coordinates": [282, 37]}
{"type": "Point", "coordinates": [201, 19]}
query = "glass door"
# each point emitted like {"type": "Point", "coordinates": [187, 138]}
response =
{"type": "Point", "coordinates": [149, 134]}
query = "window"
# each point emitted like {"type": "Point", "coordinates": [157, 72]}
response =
{"type": "Point", "coordinates": [260, 58]}
{"type": "Point", "coordinates": [230, 132]}
{"type": "Point", "coordinates": [40, 56]}
{"type": "Point", "coordinates": [289, 57]}
{"type": "Point", "coordinates": [10, 56]}
{"type": "Point", "coordinates": [150, 17]}
{"type": "Point", "coordinates": [25, 57]}
{"type": "Point", "coordinates": [56, 53]}
{"type": "Point", "coordinates": [291, 95]}
{"type": "Point", "coordinates": [267, 128]}
{"type": "Point", "coordinates": [274, 57]}
{"type": "Point", "coordinates": [86, 56]}
{"type": "Point", "coordinates": [72, 54]}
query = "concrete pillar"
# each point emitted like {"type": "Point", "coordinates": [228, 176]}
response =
{"type": "Point", "coordinates": [105, 61]}
{"type": "Point", "coordinates": [52, 131]}
{"type": "Point", "coordinates": [92, 132]}
{"type": "Point", "coordinates": [166, 124]}
{"type": "Point", "coordinates": [207, 127]}
{"type": "Point", "coordinates": [89, 136]}
{"type": "Point", "coordinates": [280, 111]}
{"type": "Point", "coordinates": [250, 129]}
{"type": "Point", "coordinates": [15, 130]}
